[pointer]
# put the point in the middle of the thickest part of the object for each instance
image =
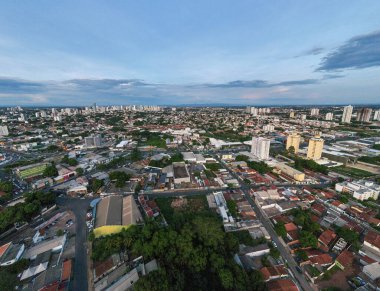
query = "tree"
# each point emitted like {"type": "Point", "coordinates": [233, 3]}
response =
{"type": "Point", "coordinates": [96, 184]}
{"type": "Point", "coordinates": [59, 232]}
{"type": "Point", "coordinates": [308, 239]}
{"type": "Point", "coordinates": [280, 229]}
{"type": "Point", "coordinates": [79, 171]}
{"type": "Point", "coordinates": [135, 155]}
{"type": "Point", "coordinates": [50, 171]}
{"type": "Point", "coordinates": [291, 150]}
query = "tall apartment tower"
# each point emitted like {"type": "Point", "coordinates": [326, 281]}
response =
{"type": "Point", "coordinates": [314, 150]}
{"type": "Point", "coordinates": [364, 115]}
{"type": "Point", "coordinates": [260, 147]}
{"type": "Point", "coordinates": [291, 114]}
{"type": "Point", "coordinates": [4, 130]}
{"type": "Point", "coordinates": [314, 111]}
{"type": "Point", "coordinates": [376, 116]}
{"type": "Point", "coordinates": [293, 140]}
{"type": "Point", "coordinates": [329, 116]}
{"type": "Point", "coordinates": [347, 113]}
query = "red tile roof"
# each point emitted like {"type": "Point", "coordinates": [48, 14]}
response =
{"type": "Point", "coordinates": [345, 258]}
{"type": "Point", "coordinates": [290, 227]}
{"type": "Point", "coordinates": [327, 237]}
{"type": "Point", "coordinates": [323, 259]}
{"type": "Point", "coordinates": [282, 285]}
{"type": "Point", "coordinates": [373, 238]}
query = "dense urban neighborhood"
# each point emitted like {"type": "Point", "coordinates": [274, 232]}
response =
{"type": "Point", "coordinates": [190, 198]}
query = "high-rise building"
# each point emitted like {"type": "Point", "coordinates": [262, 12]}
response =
{"type": "Point", "coordinates": [260, 147]}
{"type": "Point", "coordinates": [314, 111]}
{"type": "Point", "coordinates": [376, 116]}
{"type": "Point", "coordinates": [254, 111]}
{"type": "Point", "coordinates": [364, 115]}
{"type": "Point", "coordinates": [93, 141]}
{"type": "Point", "coordinates": [291, 114]}
{"type": "Point", "coordinates": [347, 113]}
{"type": "Point", "coordinates": [4, 130]}
{"type": "Point", "coordinates": [293, 140]}
{"type": "Point", "coordinates": [303, 117]}
{"type": "Point", "coordinates": [268, 127]}
{"type": "Point", "coordinates": [329, 116]}
{"type": "Point", "coordinates": [314, 150]}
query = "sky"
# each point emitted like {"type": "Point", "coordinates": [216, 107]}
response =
{"type": "Point", "coordinates": [189, 52]}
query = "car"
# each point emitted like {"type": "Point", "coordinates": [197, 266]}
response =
{"type": "Point", "coordinates": [299, 269]}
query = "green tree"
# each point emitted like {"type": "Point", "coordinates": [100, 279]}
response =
{"type": "Point", "coordinates": [50, 171]}
{"type": "Point", "coordinates": [280, 229]}
{"type": "Point", "coordinates": [308, 239]}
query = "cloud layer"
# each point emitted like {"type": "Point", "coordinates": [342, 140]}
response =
{"type": "Point", "coordinates": [359, 52]}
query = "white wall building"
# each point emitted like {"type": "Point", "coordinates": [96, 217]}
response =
{"type": "Point", "coordinates": [4, 130]}
{"type": "Point", "coordinates": [329, 116]}
{"type": "Point", "coordinates": [260, 147]}
{"type": "Point", "coordinates": [361, 190]}
{"type": "Point", "coordinates": [347, 113]}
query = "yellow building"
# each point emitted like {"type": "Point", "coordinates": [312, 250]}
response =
{"type": "Point", "coordinates": [293, 140]}
{"type": "Point", "coordinates": [314, 150]}
{"type": "Point", "coordinates": [295, 174]}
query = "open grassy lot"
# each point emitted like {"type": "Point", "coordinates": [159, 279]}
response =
{"type": "Point", "coordinates": [35, 171]}
{"type": "Point", "coordinates": [352, 172]}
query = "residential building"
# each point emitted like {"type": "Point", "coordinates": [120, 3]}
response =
{"type": "Point", "coordinates": [376, 116]}
{"type": "Point", "coordinates": [314, 150]}
{"type": "Point", "coordinates": [329, 116]}
{"type": "Point", "coordinates": [347, 114]}
{"type": "Point", "coordinates": [361, 189]}
{"type": "Point", "coordinates": [92, 141]}
{"type": "Point", "coordinates": [293, 140]}
{"type": "Point", "coordinates": [4, 130]}
{"type": "Point", "coordinates": [372, 270]}
{"type": "Point", "coordinates": [314, 111]}
{"type": "Point", "coordinates": [260, 147]}
{"type": "Point", "coordinates": [268, 128]}
{"type": "Point", "coordinates": [364, 115]}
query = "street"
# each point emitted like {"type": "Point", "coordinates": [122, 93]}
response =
{"type": "Point", "coordinates": [79, 208]}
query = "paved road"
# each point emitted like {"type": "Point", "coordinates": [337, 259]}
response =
{"type": "Point", "coordinates": [268, 226]}
{"type": "Point", "coordinates": [79, 208]}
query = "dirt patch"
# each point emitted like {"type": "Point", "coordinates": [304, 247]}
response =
{"type": "Point", "coordinates": [339, 278]}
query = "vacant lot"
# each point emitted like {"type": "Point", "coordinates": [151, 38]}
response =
{"type": "Point", "coordinates": [352, 172]}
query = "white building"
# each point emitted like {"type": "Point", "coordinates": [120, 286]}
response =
{"type": "Point", "coordinates": [314, 111]}
{"type": "Point", "coordinates": [4, 130]}
{"type": "Point", "coordinates": [376, 116]}
{"type": "Point", "coordinates": [361, 189]}
{"type": "Point", "coordinates": [347, 113]}
{"type": "Point", "coordinates": [268, 127]}
{"type": "Point", "coordinates": [260, 147]}
{"type": "Point", "coordinates": [329, 116]}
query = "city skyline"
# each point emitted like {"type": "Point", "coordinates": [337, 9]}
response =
{"type": "Point", "coordinates": [195, 53]}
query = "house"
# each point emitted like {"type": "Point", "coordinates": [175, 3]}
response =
{"type": "Point", "coordinates": [282, 285]}
{"type": "Point", "coordinates": [10, 253]}
{"type": "Point", "coordinates": [372, 271]}
{"type": "Point", "coordinates": [371, 244]}
{"type": "Point", "coordinates": [256, 251]}
{"type": "Point", "coordinates": [321, 260]}
{"type": "Point", "coordinates": [275, 272]}
{"type": "Point", "coordinates": [345, 259]}
{"type": "Point", "coordinates": [326, 239]}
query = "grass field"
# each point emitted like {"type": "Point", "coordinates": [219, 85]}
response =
{"type": "Point", "coordinates": [352, 172]}
{"type": "Point", "coordinates": [31, 172]}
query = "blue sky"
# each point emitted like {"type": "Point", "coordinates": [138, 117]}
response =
{"type": "Point", "coordinates": [185, 52]}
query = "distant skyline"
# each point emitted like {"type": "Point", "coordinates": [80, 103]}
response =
{"type": "Point", "coordinates": [194, 52]}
